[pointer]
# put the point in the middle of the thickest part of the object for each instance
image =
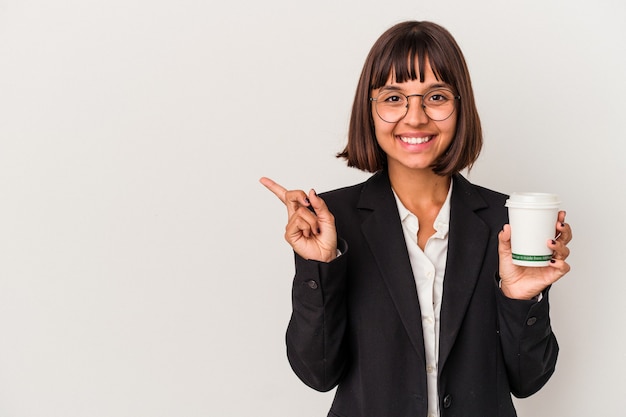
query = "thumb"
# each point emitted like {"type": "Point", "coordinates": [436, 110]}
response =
{"type": "Point", "coordinates": [504, 240]}
{"type": "Point", "coordinates": [505, 233]}
{"type": "Point", "coordinates": [319, 206]}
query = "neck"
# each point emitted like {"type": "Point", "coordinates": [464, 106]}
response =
{"type": "Point", "coordinates": [419, 189]}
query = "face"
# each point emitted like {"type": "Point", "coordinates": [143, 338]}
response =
{"type": "Point", "coordinates": [415, 141]}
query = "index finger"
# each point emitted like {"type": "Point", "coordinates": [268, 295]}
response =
{"type": "Point", "coordinates": [278, 190]}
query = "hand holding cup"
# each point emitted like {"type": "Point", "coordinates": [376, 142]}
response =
{"type": "Point", "coordinates": [533, 248]}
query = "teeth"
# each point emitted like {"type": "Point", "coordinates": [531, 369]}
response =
{"type": "Point", "coordinates": [415, 141]}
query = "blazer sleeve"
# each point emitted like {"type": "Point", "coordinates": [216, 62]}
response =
{"type": "Point", "coordinates": [529, 346]}
{"type": "Point", "coordinates": [315, 333]}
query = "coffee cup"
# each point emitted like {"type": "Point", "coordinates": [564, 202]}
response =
{"type": "Point", "coordinates": [532, 217]}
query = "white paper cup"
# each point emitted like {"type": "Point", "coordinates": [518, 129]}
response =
{"type": "Point", "coordinates": [532, 217]}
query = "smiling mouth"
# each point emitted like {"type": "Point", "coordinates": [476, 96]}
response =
{"type": "Point", "coordinates": [416, 141]}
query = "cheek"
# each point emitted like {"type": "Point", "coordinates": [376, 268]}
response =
{"type": "Point", "coordinates": [383, 129]}
{"type": "Point", "coordinates": [450, 126]}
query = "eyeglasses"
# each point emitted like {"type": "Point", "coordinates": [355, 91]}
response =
{"type": "Point", "coordinates": [438, 104]}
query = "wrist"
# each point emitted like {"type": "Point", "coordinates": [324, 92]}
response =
{"type": "Point", "coordinates": [515, 295]}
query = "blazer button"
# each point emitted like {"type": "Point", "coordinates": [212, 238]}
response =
{"type": "Point", "coordinates": [312, 284]}
{"type": "Point", "coordinates": [447, 401]}
{"type": "Point", "coordinates": [531, 321]}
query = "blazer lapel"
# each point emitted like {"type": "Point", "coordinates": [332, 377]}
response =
{"type": "Point", "coordinates": [383, 232]}
{"type": "Point", "coordinates": [467, 243]}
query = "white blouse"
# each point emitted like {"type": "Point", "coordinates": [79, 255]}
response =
{"type": "Point", "coordinates": [429, 267]}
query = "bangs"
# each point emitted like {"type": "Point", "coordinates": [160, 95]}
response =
{"type": "Point", "coordinates": [405, 59]}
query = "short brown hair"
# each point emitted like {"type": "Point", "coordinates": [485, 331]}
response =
{"type": "Point", "coordinates": [397, 50]}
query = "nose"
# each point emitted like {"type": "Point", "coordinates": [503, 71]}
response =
{"type": "Point", "coordinates": [416, 113]}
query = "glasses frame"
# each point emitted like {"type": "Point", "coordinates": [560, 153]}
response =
{"type": "Point", "coordinates": [424, 107]}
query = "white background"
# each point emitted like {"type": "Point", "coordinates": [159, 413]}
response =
{"type": "Point", "coordinates": [142, 266]}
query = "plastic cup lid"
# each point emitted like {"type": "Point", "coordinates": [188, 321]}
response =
{"type": "Point", "coordinates": [533, 200]}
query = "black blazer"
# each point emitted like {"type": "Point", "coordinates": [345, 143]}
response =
{"type": "Point", "coordinates": [356, 321]}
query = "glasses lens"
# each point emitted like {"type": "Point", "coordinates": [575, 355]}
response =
{"type": "Point", "coordinates": [439, 104]}
{"type": "Point", "coordinates": [391, 106]}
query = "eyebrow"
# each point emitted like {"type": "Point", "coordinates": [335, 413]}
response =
{"type": "Point", "coordinates": [394, 87]}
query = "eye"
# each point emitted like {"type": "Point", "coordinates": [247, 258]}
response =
{"type": "Point", "coordinates": [438, 97]}
{"type": "Point", "coordinates": [392, 98]}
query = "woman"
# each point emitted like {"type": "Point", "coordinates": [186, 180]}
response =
{"type": "Point", "coordinates": [405, 295]}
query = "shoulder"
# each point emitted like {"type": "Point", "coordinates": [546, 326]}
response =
{"type": "Point", "coordinates": [344, 197]}
{"type": "Point", "coordinates": [488, 204]}
{"type": "Point", "coordinates": [463, 186]}
{"type": "Point", "coordinates": [350, 191]}
{"type": "Point", "coordinates": [350, 195]}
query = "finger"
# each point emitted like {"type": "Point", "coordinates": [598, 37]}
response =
{"type": "Point", "coordinates": [308, 216]}
{"type": "Point", "coordinates": [303, 223]}
{"type": "Point", "coordinates": [320, 207]}
{"type": "Point", "coordinates": [296, 229]}
{"type": "Point", "coordinates": [564, 231]}
{"type": "Point", "coordinates": [504, 241]}
{"type": "Point", "coordinates": [504, 236]}
{"type": "Point", "coordinates": [278, 190]}
{"type": "Point", "coordinates": [505, 233]}
{"type": "Point", "coordinates": [561, 266]}
{"type": "Point", "coordinates": [561, 251]}
{"type": "Point", "coordinates": [292, 199]}
{"type": "Point", "coordinates": [295, 199]}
